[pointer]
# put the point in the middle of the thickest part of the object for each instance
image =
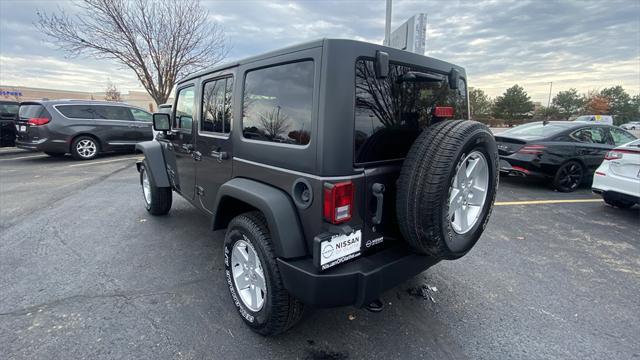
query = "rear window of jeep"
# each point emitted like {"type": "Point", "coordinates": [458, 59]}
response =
{"type": "Point", "coordinates": [390, 113]}
{"type": "Point", "coordinates": [277, 103]}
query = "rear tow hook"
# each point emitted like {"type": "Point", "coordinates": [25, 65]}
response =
{"type": "Point", "coordinates": [375, 306]}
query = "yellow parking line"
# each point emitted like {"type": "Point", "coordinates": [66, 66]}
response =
{"type": "Point", "coordinates": [540, 202]}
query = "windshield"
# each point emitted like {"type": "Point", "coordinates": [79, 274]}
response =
{"type": "Point", "coordinates": [584, 118]}
{"type": "Point", "coordinates": [537, 130]}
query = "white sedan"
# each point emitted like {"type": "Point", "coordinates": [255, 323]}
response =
{"type": "Point", "coordinates": [618, 177]}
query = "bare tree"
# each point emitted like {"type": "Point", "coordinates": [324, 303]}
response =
{"type": "Point", "coordinates": [274, 124]}
{"type": "Point", "coordinates": [112, 93]}
{"type": "Point", "coordinates": [160, 40]}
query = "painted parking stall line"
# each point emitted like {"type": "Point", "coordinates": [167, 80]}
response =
{"type": "Point", "coordinates": [25, 157]}
{"type": "Point", "coordinates": [104, 161]}
{"type": "Point", "coordinates": [543, 202]}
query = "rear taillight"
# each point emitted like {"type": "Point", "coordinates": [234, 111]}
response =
{"type": "Point", "coordinates": [38, 121]}
{"type": "Point", "coordinates": [338, 202]}
{"type": "Point", "coordinates": [532, 149]}
{"type": "Point", "coordinates": [619, 153]}
{"type": "Point", "coordinates": [613, 155]}
{"type": "Point", "coordinates": [443, 111]}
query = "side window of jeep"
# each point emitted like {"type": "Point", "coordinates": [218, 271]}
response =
{"type": "Point", "coordinates": [183, 118]}
{"type": "Point", "coordinates": [216, 106]}
{"type": "Point", "coordinates": [277, 103]}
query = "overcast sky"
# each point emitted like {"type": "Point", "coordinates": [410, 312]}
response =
{"type": "Point", "coordinates": [586, 45]}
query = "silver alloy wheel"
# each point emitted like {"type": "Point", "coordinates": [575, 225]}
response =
{"type": "Point", "coordinates": [86, 148]}
{"type": "Point", "coordinates": [468, 192]}
{"type": "Point", "coordinates": [248, 275]}
{"type": "Point", "coordinates": [146, 187]}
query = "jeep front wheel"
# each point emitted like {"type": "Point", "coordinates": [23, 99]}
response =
{"type": "Point", "coordinates": [253, 277]}
{"type": "Point", "coordinates": [157, 200]}
{"type": "Point", "coordinates": [447, 188]}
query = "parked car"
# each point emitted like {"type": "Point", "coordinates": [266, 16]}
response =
{"type": "Point", "coordinates": [334, 180]}
{"type": "Point", "coordinates": [618, 177]}
{"type": "Point", "coordinates": [8, 114]}
{"type": "Point", "coordinates": [599, 119]}
{"type": "Point", "coordinates": [632, 125]}
{"type": "Point", "coordinates": [565, 152]}
{"type": "Point", "coordinates": [163, 108]}
{"type": "Point", "coordinates": [82, 128]}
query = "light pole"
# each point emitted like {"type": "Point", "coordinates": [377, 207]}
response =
{"type": "Point", "coordinates": [387, 25]}
{"type": "Point", "coordinates": [549, 101]}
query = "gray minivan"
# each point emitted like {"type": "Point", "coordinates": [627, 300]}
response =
{"type": "Point", "coordinates": [82, 128]}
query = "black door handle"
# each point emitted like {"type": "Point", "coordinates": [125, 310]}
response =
{"type": "Point", "coordinates": [187, 147]}
{"type": "Point", "coordinates": [220, 155]}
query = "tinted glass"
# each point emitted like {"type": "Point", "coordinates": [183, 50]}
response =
{"type": "Point", "coordinates": [8, 109]}
{"type": "Point", "coordinates": [184, 109]}
{"type": "Point", "coordinates": [228, 111]}
{"type": "Point", "coordinates": [277, 103]}
{"type": "Point", "coordinates": [30, 111]}
{"type": "Point", "coordinates": [216, 107]}
{"type": "Point", "coordinates": [591, 136]}
{"type": "Point", "coordinates": [106, 112]}
{"type": "Point", "coordinates": [390, 113]}
{"type": "Point", "coordinates": [140, 115]}
{"type": "Point", "coordinates": [534, 130]}
{"type": "Point", "coordinates": [620, 136]}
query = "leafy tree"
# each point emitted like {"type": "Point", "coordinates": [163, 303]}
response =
{"type": "Point", "coordinates": [112, 93]}
{"type": "Point", "coordinates": [160, 40]}
{"type": "Point", "coordinates": [596, 104]}
{"type": "Point", "coordinates": [568, 103]}
{"type": "Point", "coordinates": [514, 104]}
{"type": "Point", "coordinates": [480, 103]}
{"type": "Point", "coordinates": [620, 104]}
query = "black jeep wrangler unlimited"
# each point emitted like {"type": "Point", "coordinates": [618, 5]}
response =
{"type": "Point", "coordinates": [336, 166]}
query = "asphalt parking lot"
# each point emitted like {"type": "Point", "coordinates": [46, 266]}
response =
{"type": "Point", "coordinates": [87, 273]}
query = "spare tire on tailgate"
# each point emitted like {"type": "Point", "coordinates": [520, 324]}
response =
{"type": "Point", "coordinates": [447, 187]}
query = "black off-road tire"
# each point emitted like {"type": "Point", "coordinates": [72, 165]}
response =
{"type": "Point", "coordinates": [573, 169]}
{"type": "Point", "coordinates": [74, 148]}
{"type": "Point", "coordinates": [280, 310]}
{"type": "Point", "coordinates": [617, 202]}
{"type": "Point", "coordinates": [161, 197]}
{"type": "Point", "coordinates": [55, 154]}
{"type": "Point", "coordinates": [425, 183]}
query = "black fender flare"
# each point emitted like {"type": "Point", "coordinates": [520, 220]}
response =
{"type": "Point", "coordinates": [157, 169]}
{"type": "Point", "coordinates": [277, 207]}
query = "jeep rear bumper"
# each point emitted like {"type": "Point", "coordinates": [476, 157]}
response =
{"type": "Point", "coordinates": [358, 282]}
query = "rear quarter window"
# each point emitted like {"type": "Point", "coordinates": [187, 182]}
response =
{"type": "Point", "coordinates": [277, 103]}
{"type": "Point", "coordinates": [76, 111]}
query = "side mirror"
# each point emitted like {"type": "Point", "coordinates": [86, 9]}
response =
{"type": "Point", "coordinates": [454, 77]}
{"type": "Point", "coordinates": [161, 122]}
{"type": "Point", "coordinates": [381, 65]}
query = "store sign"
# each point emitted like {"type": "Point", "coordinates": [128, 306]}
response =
{"type": "Point", "coordinates": [10, 93]}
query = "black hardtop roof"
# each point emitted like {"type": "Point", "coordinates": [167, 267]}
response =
{"type": "Point", "coordinates": [393, 52]}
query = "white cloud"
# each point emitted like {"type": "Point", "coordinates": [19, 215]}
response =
{"type": "Point", "coordinates": [585, 45]}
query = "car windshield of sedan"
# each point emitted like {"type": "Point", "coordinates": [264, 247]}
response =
{"type": "Point", "coordinates": [534, 130]}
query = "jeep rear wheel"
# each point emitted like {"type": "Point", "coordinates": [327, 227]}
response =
{"type": "Point", "coordinates": [447, 188]}
{"type": "Point", "coordinates": [157, 200]}
{"type": "Point", "coordinates": [253, 277]}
